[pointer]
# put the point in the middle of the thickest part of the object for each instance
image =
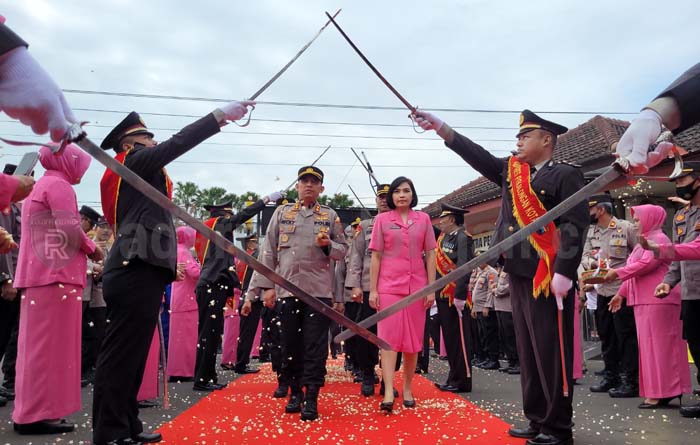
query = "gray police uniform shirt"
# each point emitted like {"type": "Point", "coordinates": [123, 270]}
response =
{"type": "Point", "coordinates": [501, 302]}
{"type": "Point", "coordinates": [360, 257]}
{"type": "Point", "coordinates": [290, 249]}
{"type": "Point", "coordinates": [482, 294]}
{"type": "Point", "coordinates": [614, 243]}
{"type": "Point", "coordinates": [686, 228]}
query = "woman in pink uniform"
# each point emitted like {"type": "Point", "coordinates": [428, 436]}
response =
{"type": "Point", "coordinates": [403, 261]}
{"type": "Point", "coordinates": [182, 342]}
{"type": "Point", "coordinates": [52, 271]}
{"type": "Point", "coordinates": [663, 361]}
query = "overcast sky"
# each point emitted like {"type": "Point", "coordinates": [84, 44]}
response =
{"type": "Point", "coordinates": [597, 56]}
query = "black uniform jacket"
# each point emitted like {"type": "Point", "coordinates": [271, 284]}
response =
{"type": "Point", "coordinates": [553, 184]}
{"type": "Point", "coordinates": [145, 230]}
{"type": "Point", "coordinates": [218, 265]}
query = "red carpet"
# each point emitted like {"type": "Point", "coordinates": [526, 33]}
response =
{"type": "Point", "coordinates": [246, 413]}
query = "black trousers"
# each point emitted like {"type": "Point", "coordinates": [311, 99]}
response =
{"type": "Point", "coordinates": [690, 313]}
{"type": "Point", "coordinates": [333, 330]}
{"type": "Point", "coordinates": [607, 334]}
{"type": "Point", "coordinates": [449, 323]}
{"type": "Point", "coordinates": [271, 335]}
{"type": "Point", "coordinates": [366, 353]}
{"type": "Point", "coordinates": [352, 310]}
{"type": "Point", "coordinates": [246, 336]}
{"type": "Point", "coordinates": [506, 336]}
{"type": "Point", "coordinates": [424, 355]}
{"type": "Point", "coordinates": [304, 343]}
{"type": "Point", "coordinates": [133, 295]}
{"type": "Point", "coordinates": [537, 339]}
{"type": "Point", "coordinates": [488, 334]}
{"type": "Point", "coordinates": [476, 350]}
{"type": "Point", "coordinates": [94, 325]}
{"type": "Point", "coordinates": [210, 306]}
{"type": "Point", "coordinates": [9, 331]}
{"type": "Point", "coordinates": [627, 346]}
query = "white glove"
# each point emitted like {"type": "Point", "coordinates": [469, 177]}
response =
{"type": "Point", "coordinates": [642, 132]}
{"type": "Point", "coordinates": [274, 196]}
{"type": "Point", "coordinates": [459, 304]}
{"type": "Point", "coordinates": [560, 285]}
{"type": "Point", "coordinates": [236, 110]}
{"type": "Point", "coordinates": [659, 154]}
{"type": "Point", "coordinates": [428, 121]}
{"type": "Point", "coordinates": [29, 94]}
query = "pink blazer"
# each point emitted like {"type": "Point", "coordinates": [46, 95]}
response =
{"type": "Point", "coordinates": [402, 270]}
{"type": "Point", "coordinates": [8, 187]}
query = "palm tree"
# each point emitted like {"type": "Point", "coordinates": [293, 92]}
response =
{"type": "Point", "coordinates": [186, 196]}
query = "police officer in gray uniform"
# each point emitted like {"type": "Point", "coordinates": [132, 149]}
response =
{"type": "Point", "coordinates": [357, 278]}
{"type": "Point", "coordinates": [610, 241]}
{"type": "Point", "coordinates": [301, 241]}
{"type": "Point", "coordinates": [686, 228]}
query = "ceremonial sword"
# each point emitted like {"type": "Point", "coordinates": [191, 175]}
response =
{"type": "Point", "coordinates": [227, 246]}
{"type": "Point", "coordinates": [284, 68]}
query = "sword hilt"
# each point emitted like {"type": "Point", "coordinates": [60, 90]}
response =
{"type": "Point", "coordinates": [250, 115]}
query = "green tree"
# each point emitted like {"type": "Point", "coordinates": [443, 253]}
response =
{"type": "Point", "coordinates": [187, 196]}
{"type": "Point", "coordinates": [240, 202]}
{"type": "Point", "coordinates": [340, 201]}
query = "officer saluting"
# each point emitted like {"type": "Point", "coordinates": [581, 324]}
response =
{"type": "Point", "coordinates": [140, 264]}
{"type": "Point", "coordinates": [455, 248]}
{"type": "Point", "coordinates": [300, 243]}
{"type": "Point", "coordinates": [532, 183]}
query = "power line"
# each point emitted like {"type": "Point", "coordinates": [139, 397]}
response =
{"type": "Point", "coordinates": [322, 105]}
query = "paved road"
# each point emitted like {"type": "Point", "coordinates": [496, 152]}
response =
{"type": "Point", "coordinates": [598, 418]}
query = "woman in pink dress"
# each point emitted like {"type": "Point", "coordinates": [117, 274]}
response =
{"type": "Point", "coordinates": [403, 261]}
{"type": "Point", "coordinates": [182, 342]}
{"type": "Point", "coordinates": [51, 270]}
{"type": "Point", "coordinates": [663, 361]}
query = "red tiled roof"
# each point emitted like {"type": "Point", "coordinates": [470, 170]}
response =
{"type": "Point", "coordinates": [581, 145]}
{"type": "Point", "coordinates": [585, 144]}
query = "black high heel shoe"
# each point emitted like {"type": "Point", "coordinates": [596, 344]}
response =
{"type": "Point", "coordinates": [660, 403]}
{"type": "Point", "coordinates": [387, 407]}
{"type": "Point", "coordinates": [409, 403]}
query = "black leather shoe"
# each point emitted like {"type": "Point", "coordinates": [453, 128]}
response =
{"type": "Point", "coordinates": [44, 427]}
{"type": "Point", "coordinates": [523, 433]}
{"type": "Point", "coordinates": [228, 366]}
{"type": "Point", "coordinates": [660, 403]}
{"type": "Point", "coordinates": [147, 438]}
{"type": "Point", "coordinates": [281, 392]}
{"type": "Point", "coordinates": [624, 391]}
{"type": "Point", "coordinates": [409, 403]}
{"type": "Point", "coordinates": [118, 442]}
{"type": "Point", "coordinates": [246, 370]}
{"type": "Point", "coordinates": [490, 365]}
{"type": "Point", "coordinates": [546, 439]}
{"type": "Point", "coordinates": [386, 407]}
{"type": "Point", "coordinates": [450, 388]}
{"type": "Point", "coordinates": [179, 379]}
{"type": "Point", "coordinates": [147, 404]}
{"type": "Point", "coordinates": [310, 410]}
{"type": "Point", "coordinates": [367, 389]}
{"type": "Point", "coordinates": [691, 411]}
{"type": "Point", "coordinates": [7, 393]}
{"type": "Point", "coordinates": [514, 370]}
{"type": "Point", "coordinates": [295, 402]}
{"type": "Point", "coordinates": [206, 387]}
{"type": "Point", "coordinates": [605, 385]}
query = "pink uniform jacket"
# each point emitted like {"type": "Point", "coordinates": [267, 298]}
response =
{"type": "Point", "coordinates": [402, 245]}
{"type": "Point", "coordinates": [53, 247]}
{"type": "Point", "coordinates": [183, 297]}
{"type": "Point", "coordinates": [643, 272]}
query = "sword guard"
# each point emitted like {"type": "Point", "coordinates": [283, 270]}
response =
{"type": "Point", "coordinates": [412, 116]}
{"type": "Point", "coordinates": [252, 108]}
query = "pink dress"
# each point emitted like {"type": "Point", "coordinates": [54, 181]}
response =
{"type": "Point", "coordinates": [232, 329]}
{"type": "Point", "coordinates": [663, 360]}
{"type": "Point", "coordinates": [184, 318]}
{"type": "Point", "coordinates": [52, 270]}
{"type": "Point", "coordinates": [402, 271]}
{"type": "Point", "coordinates": [149, 385]}
{"type": "Point", "coordinates": [578, 347]}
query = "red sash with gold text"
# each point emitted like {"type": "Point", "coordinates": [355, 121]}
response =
{"type": "Point", "coordinates": [201, 243]}
{"type": "Point", "coordinates": [527, 207]}
{"type": "Point", "coordinates": [445, 265]}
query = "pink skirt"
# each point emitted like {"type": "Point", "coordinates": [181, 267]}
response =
{"type": "Point", "coordinates": [403, 330]}
{"type": "Point", "coordinates": [48, 353]}
{"type": "Point", "coordinates": [663, 356]}
{"type": "Point", "coordinates": [232, 328]}
{"type": "Point", "coordinates": [182, 343]}
{"type": "Point", "coordinates": [149, 384]}
{"type": "Point", "coordinates": [578, 343]}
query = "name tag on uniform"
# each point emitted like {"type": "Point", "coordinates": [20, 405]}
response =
{"type": "Point", "coordinates": [395, 227]}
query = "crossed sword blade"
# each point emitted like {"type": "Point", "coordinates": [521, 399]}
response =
{"type": "Point", "coordinates": [609, 175]}
{"type": "Point", "coordinates": [154, 195]}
